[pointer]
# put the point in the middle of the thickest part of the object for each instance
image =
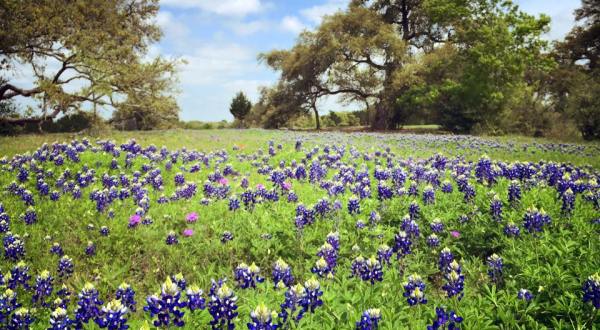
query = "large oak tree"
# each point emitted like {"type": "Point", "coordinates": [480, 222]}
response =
{"type": "Point", "coordinates": [82, 54]}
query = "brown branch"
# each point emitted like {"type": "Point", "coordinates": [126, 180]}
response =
{"type": "Point", "coordinates": [8, 91]}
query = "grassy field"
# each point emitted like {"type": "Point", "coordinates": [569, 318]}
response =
{"type": "Point", "coordinates": [386, 174]}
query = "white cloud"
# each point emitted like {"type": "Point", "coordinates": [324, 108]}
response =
{"type": "Point", "coordinates": [237, 8]}
{"type": "Point", "coordinates": [316, 13]}
{"type": "Point", "coordinates": [248, 28]}
{"type": "Point", "coordinates": [292, 24]}
{"type": "Point", "coordinates": [173, 28]}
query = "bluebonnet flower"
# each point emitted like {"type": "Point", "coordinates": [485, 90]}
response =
{"type": "Point", "coordinates": [322, 268]}
{"type": "Point", "coordinates": [8, 304]}
{"type": "Point", "coordinates": [374, 218]}
{"type": "Point", "coordinates": [512, 230]}
{"type": "Point", "coordinates": [179, 179]}
{"type": "Point", "coordinates": [329, 254]}
{"type": "Point", "coordinates": [88, 305]}
{"type": "Point", "coordinates": [54, 195]}
{"type": "Point", "coordinates": [195, 300]}
{"type": "Point", "coordinates": [534, 220]}
{"type": "Point", "coordinates": [446, 187]}
{"type": "Point", "coordinates": [262, 319]}
{"type": "Point", "coordinates": [436, 226]}
{"type": "Point", "coordinates": [371, 270]}
{"type": "Point", "coordinates": [113, 316]}
{"type": "Point", "coordinates": [410, 226]}
{"type": "Point", "coordinates": [21, 319]}
{"type": "Point", "coordinates": [126, 294]}
{"type": "Point", "coordinates": [413, 189]}
{"type": "Point", "coordinates": [322, 207]}
{"type": "Point", "coordinates": [384, 191]}
{"type": "Point", "coordinates": [525, 295]}
{"type": "Point", "coordinates": [292, 301]}
{"type": "Point", "coordinates": [104, 231]}
{"type": "Point", "coordinates": [30, 216]}
{"type": "Point", "coordinates": [90, 249]}
{"type": "Point", "coordinates": [428, 195]}
{"type": "Point", "coordinates": [226, 237]}
{"type": "Point", "coordinates": [42, 288]}
{"type": "Point", "coordinates": [369, 319]}
{"type": "Point", "coordinates": [591, 290]}
{"type": "Point", "coordinates": [495, 265]}
{"type": "Point", "coordinates": [247, 276]}
{"type": "Point", "coordinates": [64, 297]}
{"type": "Point", "coordinates": [514, 192]}
{"type": "Point", "coordinates": [484, 171]}
{"type": "Point", "coordinates": [292, 197]}
{"type": "Point", "coordinates": [455, 280]}
{"type": "Point", "coordinates": [166, 306]}
{"type": "Point", "coordinates": [384, 253]}
{"type": "Point", "coordinates": [496, 208]}
{"type": "Point", "coordinates": [57, 249]}
{"type": "Point", "coordinates": [65, 266]}
{"type": "Point", "coordinates": [568, 202]}
{"type": "Point", "coordinates": [311, 297]}
{"type": "Point", "coordinates": [356, 267]}
{"type": "Point", "coordinates": [19, 276]}
{"type": "Point", "coordinates": [222, 305]}
{"type": "Point", "coordinates": [469, 193]}
{"type": "Point", "coordinates": [171, 238]}
{"type": "Point", "coordinates": [234, 203]}
{"type": "Point", "coordinates": [179, 280]}
{"type": "Point", "coordinates": [59, 319]}
{"type": "Point", "coordinates": [414, 290]}
{"type": "Point", "coordinates": [360, 224]}
{"type": "Point", "coordinates": [353, 205]}
{"type": "Point", "coordinates": [445, 320]}
{"type": "Point", "coordinates": [446, 257]}
{"type": "Point", "coordinates": [282, 274]}
{"type": "Point", "coordinates": [414, 210]}
{"type": "Point", "coordinates": [14, 247]}
{"type": "Point", "coordinates": [333, 239]}
{"type": "Point", "coordinates": [4, 222]}
{"type": "Point", "coordinates": [402, 244]}
{"type": "Point", "coordinates": [433, 240]}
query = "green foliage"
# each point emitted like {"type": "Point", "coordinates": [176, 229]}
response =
{"type": "Point", "coordinates": [551, 265]}
{"type": "Point", "coordinates": [100, 49]}
{"type": "Point", "coordinates": [240, 106]}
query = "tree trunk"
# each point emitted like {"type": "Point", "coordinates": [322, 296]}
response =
{"type": "Point", "coordinates": [317, 120]}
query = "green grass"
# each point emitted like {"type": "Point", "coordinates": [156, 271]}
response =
{"type": "Point", "coordinates": [558, 260]}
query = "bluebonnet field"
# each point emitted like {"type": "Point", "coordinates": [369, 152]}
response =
{"type": "Point", "coordinates": [284, 230]}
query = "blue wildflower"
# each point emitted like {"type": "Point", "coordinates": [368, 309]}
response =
{"type": "Point", "coordinates": [414, 290]}
{"type": "Point", "coordinates": [369, 319]}
{"type": "Point", "coordinates": [262, 319]}
{"type": "Point", "coordinates": [222, 305]}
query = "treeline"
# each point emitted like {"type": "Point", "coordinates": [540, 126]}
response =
{"type": "Point", "coordinates": [477, 66]}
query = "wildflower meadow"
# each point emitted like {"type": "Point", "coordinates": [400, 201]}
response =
{"type": "Point", "coordinates": [254, 229]}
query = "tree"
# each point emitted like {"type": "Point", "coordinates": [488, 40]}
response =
{"type": "Point", "coordinates": [374, 52]}
{"type": "Point", "coordinates": [82, 54]}
{"type": "Point", "coordinates": [573, 87]}
{"type": "Point", "coordinates": [240, 106]}
{"type": "Point", "coordinates": [335, 118]}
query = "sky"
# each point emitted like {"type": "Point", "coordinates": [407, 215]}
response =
{"type": "Point", "coordinates": [221, 39]}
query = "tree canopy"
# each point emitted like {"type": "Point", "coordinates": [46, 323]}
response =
{"type": "Point", "coordinates": [465, 59]}
{"type": "Point", "coordinates": [240, 106]}
{"type": "Point", "coordinates": [85, 53]}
